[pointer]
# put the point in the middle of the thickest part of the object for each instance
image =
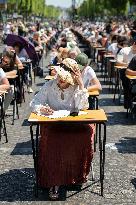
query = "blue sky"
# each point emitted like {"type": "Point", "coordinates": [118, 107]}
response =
{"type": "Point", "coordinates": [62, 3]}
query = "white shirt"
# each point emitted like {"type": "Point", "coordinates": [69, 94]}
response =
{"type": "Point", "coordinates": [113, 48]}
{"type": "Point", "coordinates": [23, 54]}
{"type": "Point", "coordinates": [50, 94]}
{"type": "Point", "coordinates": [87, 75]}
{"type": "Point", "coordinates": [7, 29]}
{"type": "Point", "coordinates": [125, 55]}
{"type": "Point", "coordinates": [2, 75]}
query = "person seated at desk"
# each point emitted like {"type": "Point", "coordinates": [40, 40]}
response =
{"type": "Point", "coordinates": [103, 40]}
{"type": "Point", "coordinates": [73, 52]}
{"type": "Point", "coordinates": [131, 70]}
{"type": "Point", "coordinates": [23, 57]}
{"type": "Point", "coordinates": [65, 150]}
{"type": "Point", "coordinates": [10, 64]}
{"type": "Point", "coordinates": [126, 83]}
{"type": "Point", "coordinates": [20, 51]}
{"type": "Point", "coordinates": [5, 86]}
{"type": "Point", "coordinates": [36, 41]}
{"type": "Point", "coordinates": [115, 47]}
{"type": "Point", "coordinates": [126, 54]}
{"type": "Point", "coordinates": [131, 86]}
{"type": "Point", "coordinates": [4, 83]}
{"type": "Point", "coordinates": [11, 59]}
{"type": "Point", "coordinates": [90, 80]}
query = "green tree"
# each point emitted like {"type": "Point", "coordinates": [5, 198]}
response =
{"type": "Point", "coordinates": [33, 7]}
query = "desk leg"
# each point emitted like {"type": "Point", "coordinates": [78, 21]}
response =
{"type": "Point", "coordinates": [101, 160]}
{"type": "Point", "coordinates": [0, 121]}
{"type": "Point", "coordinates": [32, 141]}
{"type": "Point", "coordinates": [96, 103]}
{"type": "Point", "coordinates": [4, 128]}
{"type": "Point", "coordinates": [102, 154]}
{"type": "Point", "coordinates": [99, 136]}
{"type": "Point", "coordinates": [104, 142]}
{"type": "Point", "coordinates": [36, 161]}
{"type": "Point", "coordinates": [35, 154]}
{"type": "Point", "coordinates": [95, 136]}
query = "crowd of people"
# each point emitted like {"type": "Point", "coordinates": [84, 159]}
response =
{"type": "Point", "coordinates": [65, 151]}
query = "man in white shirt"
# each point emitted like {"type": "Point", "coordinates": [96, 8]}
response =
{"type": "Point", "coordinates": [126, 54]}
{"type": "Point", "coordinates": [117, 46]}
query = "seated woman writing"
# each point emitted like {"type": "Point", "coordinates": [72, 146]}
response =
{"type": "Point", "coordinates": [65, 150]}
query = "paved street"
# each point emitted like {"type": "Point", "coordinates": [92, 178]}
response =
{"type": "Point", "coordinates": [16, 163]}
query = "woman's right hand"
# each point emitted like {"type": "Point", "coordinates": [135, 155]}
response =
{"type": "Point", "coordinates": [46, 110]}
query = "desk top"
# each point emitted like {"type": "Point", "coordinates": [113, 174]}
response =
{"type": "Point", "coordinates": [109, 56]}
{"type": "Point", "coordinates": [120, 66]}
{"type": "Point", "coordinates": [97, 46]}
{"type": "Point", "coordinates": [94, 93]}
{"type": "Point", "coordinates": [100, 48]}
{"type": "Point", "coordinates": [27, 61]}
{"type": "Point", "coordinates": [113, 60]}
{"type": "Point", "coordinates": [21, 68]}
{"type": "Point", "coordinates": [92, 116]}
{"type": "Point", "coordinates": [12, 76]}
{"type": "Point", "coordinates": [131, 77]}
{"type": "Point", "coordinates": [2, 92]}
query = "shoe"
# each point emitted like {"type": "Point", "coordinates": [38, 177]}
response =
{"type": "Point", "coordinates": [30, 90]}
{"type": "Point", "coordinates": [54, 193]}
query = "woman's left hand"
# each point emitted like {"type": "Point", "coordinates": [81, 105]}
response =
{"type": "Point", "coordinates": [78, 78]}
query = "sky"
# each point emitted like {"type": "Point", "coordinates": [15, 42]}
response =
{"type": "Point", "coordinates": [62, 3]}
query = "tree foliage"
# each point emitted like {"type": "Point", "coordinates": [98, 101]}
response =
{"type": "Point", "coordinates": [91, 8]}
{"type": "Point", "coordinates": [32, 7]}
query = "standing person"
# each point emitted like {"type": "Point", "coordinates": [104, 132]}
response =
{"type": "Point", "coordinates": [65, 151]}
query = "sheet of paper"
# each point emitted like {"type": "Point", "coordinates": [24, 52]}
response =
{"type": "Point", "coordinates": [62, 113]}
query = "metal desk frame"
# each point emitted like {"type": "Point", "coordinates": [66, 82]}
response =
{"type": "Point", "coordinates": [102, 142]}
{"type": "Point", "coordinates": [2, 118]}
